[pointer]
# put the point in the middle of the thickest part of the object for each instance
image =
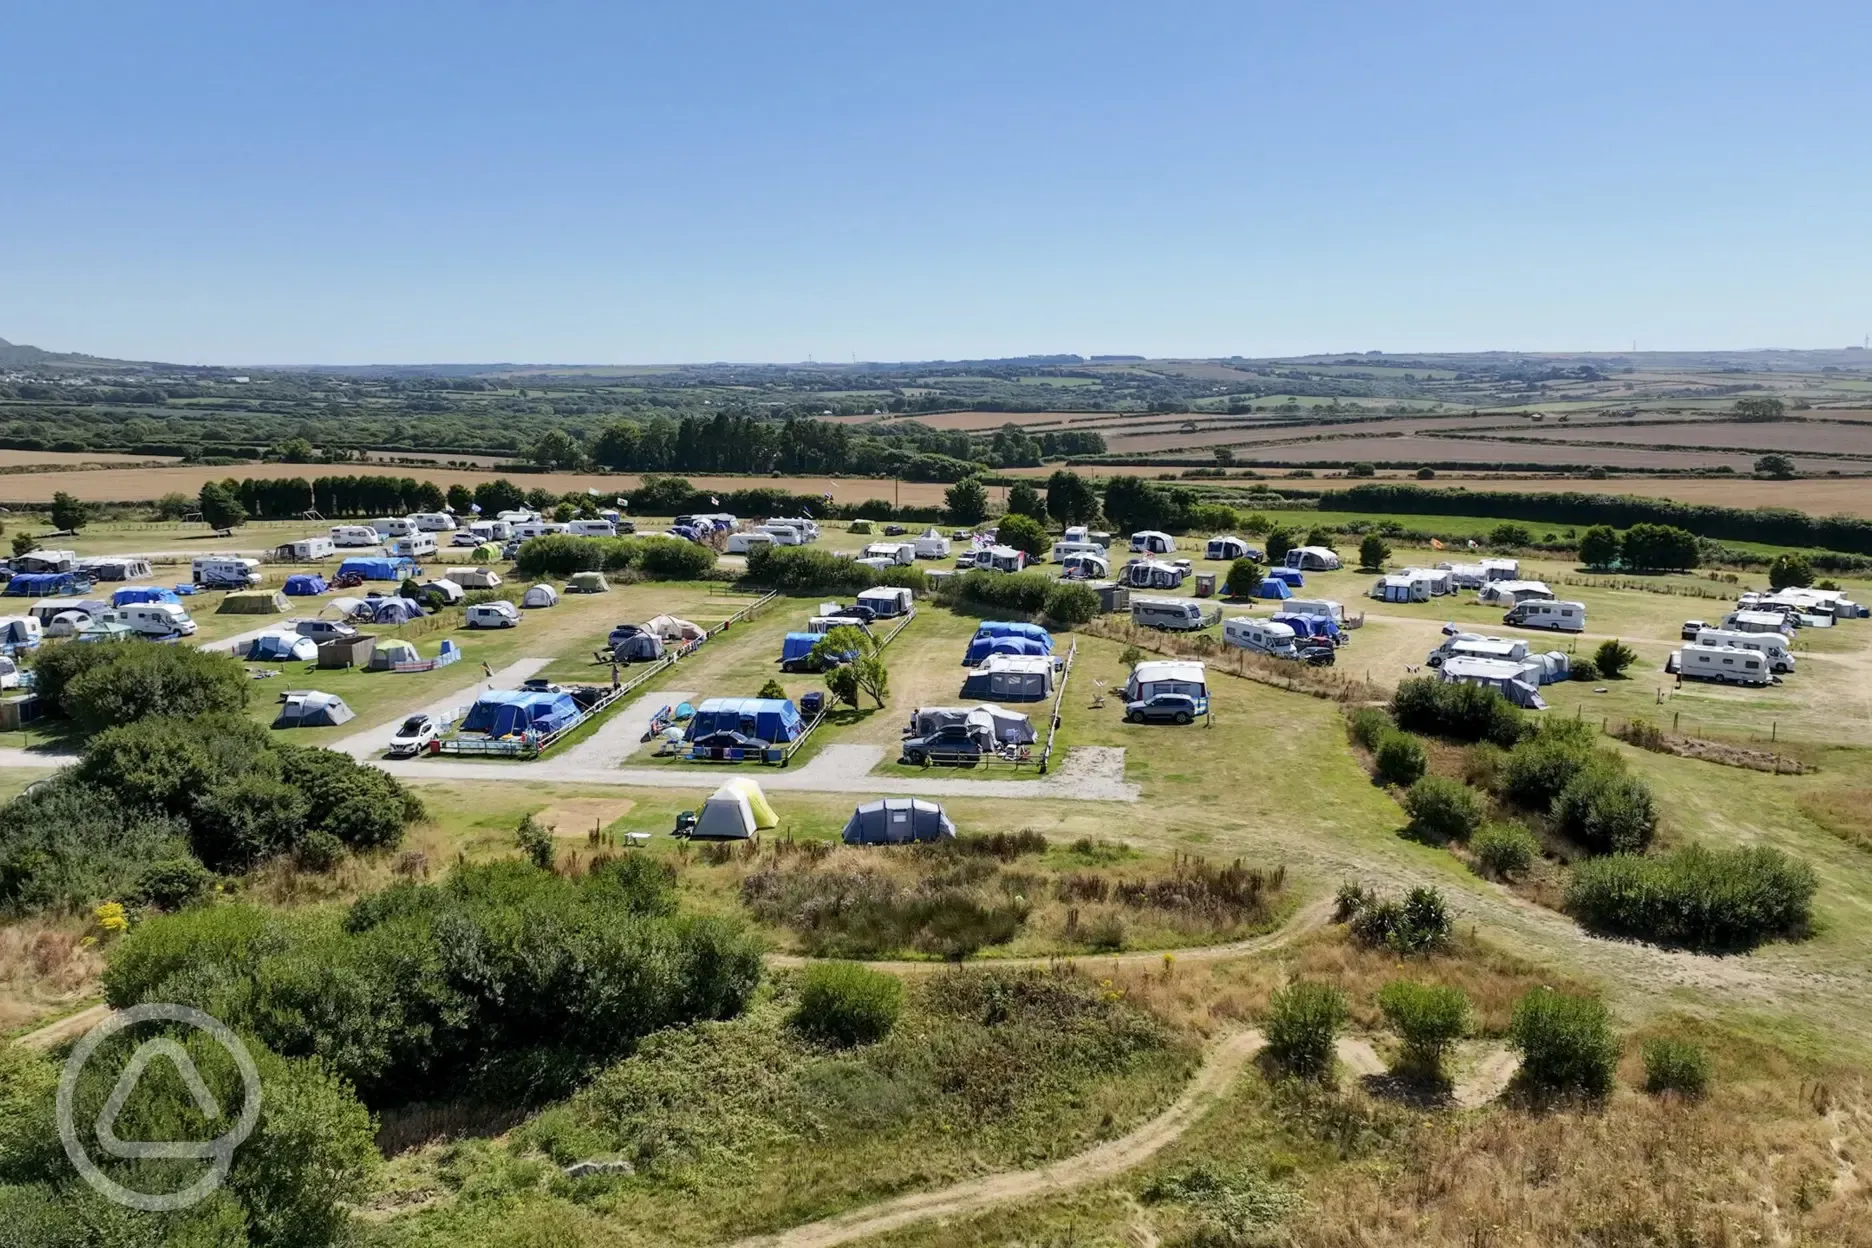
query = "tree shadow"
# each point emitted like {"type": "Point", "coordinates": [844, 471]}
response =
{"type": "Point", "coordinates": [1418, 1089]}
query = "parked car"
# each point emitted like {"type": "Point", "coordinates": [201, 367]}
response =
{"type": "Point", "coordinates": [413, 735]}
{"type": "Point", "coordinates": [539, 684]}
{"type": "Point", "coordinates": [1177, 708]}
{"type": "Point", "coordinates": [324, 630]}
{"type": "Point", "coordinates": [894, 530]}
{"type": "Point", "coordinates": [1320, 655]}
{"type": "Point", "coordinates": [498, 614]}
{"type": "Point", "coordinates": [857, 611]}
{"type": "Point", "coordinates": [1692, 628]}
{"type": "Point", "coordinates": [953, 744]}
{"type": "Point", "coordinates": [465, 538]}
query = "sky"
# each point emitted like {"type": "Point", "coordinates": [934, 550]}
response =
{"type": "Point", "coordinates": [632, 183]}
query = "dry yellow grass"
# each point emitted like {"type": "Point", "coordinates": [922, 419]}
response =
{"type": "Point", "coordinates": [45, 966]}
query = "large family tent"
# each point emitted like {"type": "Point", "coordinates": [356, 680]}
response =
{"type": "Point", "coordinates": [391, 651]}
{"type": "Point", "coordinates": [1308, 625]}
{"type": "Point", "coordinates": [116, 567]}
{"type": "Point", "coordinates": [588, 583]}
{"type": "Point", "coordinates": [764, 816]}
{"type": "Point", "coordinates": [1152, 574]}
{"type": "Point", "coordinates": [305, 584]}
{"type": "Point", "coordinates": [395, 610]}
{"type": "Point", "coordinates": [69, 623]}
{"type": "Point", "coordinates": [726, 816]}
{"type": "Point", "coordinates": [254, 602]}
{"type": "Point", "coordinates": [996, 637]}
{"type": "Point", "coordinates": [796, 651]}
{"type": "Point", "coordinates": [1005, 726]}
{"type": "Point", "coordinates": [1083, 565]}
{"type": "Point", "coordinates": [1506, 677]}
{"type": "Point", "coordinates": [898, 821]}
{"type": "Point", "coordinates": [638, 647]}
{"type": "Point", "coordinates": [540, 596]}
{"type": "Point", "coordinates": [1293, 576]}
{"type": "Point", "coordinates": [377, 567]}
{"type": "Point", "coordinates": [308, 708]}
{"type": "Point", "coordinates": [41, 584]}
{"type": "Point", "coordinates": [1273, 587]}
{"type": "Point", "coordinates": [130, 595]}
{"type": "Point", "coordinates": [669, 628]}
{"type": "Point", "coordinates": [448, 591]}
{"type": "Point", "coordinates": [1011, 678]}
{"type": "Point", "coordinates": [744, 721]}
{"type": "Point", "coordinates": [486, 552]}
{"type": "Point", "coordinates": [1225, 547]}
{"type": "Point", "coordinates": [475, 578]}
{"type": "Point", "coordinates": [513, 712]}
{"type": "Point", "coordinates": [20, 632]}
{"type": "Point", "coordinates": [282, 647]}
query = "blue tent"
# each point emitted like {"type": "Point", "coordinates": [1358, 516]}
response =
{"type": "Point", "coordinates": [1273, 587]}
{"type": "Point", "coordinates": [1308, 625]}
{"type": "Point", "coordinates": [981, 647]}
{"type": "Point", "coordinates": [377, 567]}
{"type": "Point", "coordinates": [41, 584]}
{"type": "Point", "coordinates": [305, 584]}
{"type": "Point", "coordinates": [796, 651]}
{"type": "Point", "coordinates": [772, 720]}
{"type": "Point", "coordinates": [1293, 576]}
{"type": "Point", "coordinates": [1015, 628]}
{"type": "Point", "coordinates": [394, 610]}
{"type": "Point", "coordinates": [133, 594]}
{"type": "Point", "coordinates": [510, 712]}
{"type": "Point", "coordinates": [282, 648]}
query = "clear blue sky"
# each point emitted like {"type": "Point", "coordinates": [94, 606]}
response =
{"type": "Point", "coordinates": [351, 182]}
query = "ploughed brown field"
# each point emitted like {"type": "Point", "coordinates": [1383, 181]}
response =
{"type": "Point", "coordinates": [1789, 437]}
{"type": "Point", "coordinates": [1422, 450]}
{"type": "Point", "coordinates": [15, 459]}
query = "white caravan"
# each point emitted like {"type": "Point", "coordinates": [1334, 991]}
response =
{"type": "Point", "coordinates": [434, 521]}
{"type": "Point", "coordinates": [413, 545]}
{"type": "Point", "coordinates": [305, 550]}
{"type": "Point", "coordinates": [1176, 615]}
{"type": "Point", "coordinates": [1729, 664]}
{"type": "Point", "coordinates": [355, 535]}
{"type": "Point", "coordinates": [1063, 549]}
{"type": "Point", "coordinates": [1260, 636]}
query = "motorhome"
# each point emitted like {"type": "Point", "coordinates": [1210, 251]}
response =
{"type": "Point", "coordinates": [1772, 646]}
{"type": "Point", "coordinates": [1176, 615]}
{"type": "Point", "coordinates": [1476, 646]}
{"type": "Point", "coordinates": [1313, 559]}
{"type": "Point", "coordinates": [395, 526]}
{"type": "Point", "coordinates": [746, 543]}
{"type": "Point", "coordinates": [592, 528]}
{"type": "Point", "coordinates": [157, 619]}
{"type": "Point", "coordinates": [931, 545]}
{"type": "Point", "coordinates": [492, 530]}
{"type": "Point", "coordinates": [900, 553]}
{"type": "Point", "coordinates": [1152, 542]}
{"type": "Point", "coordinates": [355, 535]}
{"type": "Point", "coordinates": [225, 571]}
{"type": "Point", "coordinates": [434, 521]}
{"type": "Point", "coordinates": [413, 545]}
{"type": "Point", "coordinates": [1260, 636]}
{"type": "Point", "coordinates": [1729, 664]}
{"type": "Point", "coordinates": [1063, 549]}
{"type": "Point", "coordinates": [1332, 610]}
{"type": "Point", "coordinates": [1758, 622]}
{"type": "Point", "coordinates": [1564, 617]}
{"type": "Point", "coordinates": [305, 550]}
{"type": "Point", "coordinates": [536, 528]}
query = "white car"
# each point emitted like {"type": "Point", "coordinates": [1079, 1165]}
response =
{"type": "Point", "coordinates": [414, 735]}
{"type": "Point", "coordinates": [465, 538]}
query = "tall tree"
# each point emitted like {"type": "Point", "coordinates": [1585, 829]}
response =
{"type": "Point", "coordinates": [1024, 500]}
{"type": "Point", "coordinates": [220, 509]}
{"type": "Point", "coordinates": [967, 501]}
{"type": "Point", "coordinates": [1070, 498]}
{"type": "Point", "coordinates": [69, 513]}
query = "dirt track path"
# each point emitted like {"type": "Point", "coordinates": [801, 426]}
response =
{"type": "Point", "coordinates": [68, 1028]}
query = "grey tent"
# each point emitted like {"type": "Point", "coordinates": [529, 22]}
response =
{"type": "Point", "coordinates": [898, 821]}
{"type": "Point", "coordinates": [308, 708]}
{"type": "Point", "coordinates": [540, 596]}
{"type": "Point", "coordinates": [1011, 678]}
{"type": "Point", "coordinates": [726, 816]}
{"type": "Point", "coordinates": [1010, 727]}
{"type": "Point", "coordinates": [639, 646]}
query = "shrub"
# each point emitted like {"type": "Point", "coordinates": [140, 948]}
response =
{"type": "Point", "coordinates": [844, 1004]}
{"type": "Point", "coordinates": [101, 687]}
{"type": "Point", "coordinates": [1373, 553]}
{"type": "Point", "coordinates": [1434, 707]}
{"type": "Point", "coordinates": [1069, 604]}
{"type": "Point", "coordinates": [1351, 898]}
{"type": "Point", "coordinates": [1023, 533]}
{"type": "Point", "coordinates": [1504, 849]}
{"type": "Point", "coordinates": [1482, 765]}
{"type": "Point", "coordinates": [1399, 759]}
{"type": "Point", "coordinates": [1539, 769]}
{"type": "Point", "coordinates": [1302, 1026]}
{"type": "Point", "coordinates": [1613, 657]}
{"type": "Point", "coordinates": [1583, 669]}
{"type": "Point", "coordinates": [1244, 577]}
{"type": "Point", "coordinates": [319, 852]}
{"type": "Point", "coordinates": [1418, 924]}
{"type": "Point", "coordinates": [1428, 1018]}
{"type": "Point", "coordinates": [171, 884]}
{"type": "Point", "coordinates": [1368, 725]}
{"type": "Point", "coordinates": [804, 570]}
{"type": "Point", "coordinates": [772, 689]}
{"type": "Point", "coordinates": [536, 842]}
{"type": "Point", "coordinates": [1025, 592]}
{"type": "Point", "coordinates": [1606, 812]}
{"type": "Point", "coordinates": [1442, 809]}
{"type": "Point", "coordinates": [1676, 1066]}
{"type": "Point", "coordinates": [1566, 1043]}
{"type": "Point", "coordinates": [1694, 897]}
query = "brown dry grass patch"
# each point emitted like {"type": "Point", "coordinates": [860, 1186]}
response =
{"type": "Point", "coordinates": [45, 966]}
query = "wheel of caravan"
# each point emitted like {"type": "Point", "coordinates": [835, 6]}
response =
{"type": "Point", "coordinates": [1182, 717]}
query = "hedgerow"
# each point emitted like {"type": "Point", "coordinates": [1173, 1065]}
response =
{"type": "Point", "coordinates": [1694, 897]}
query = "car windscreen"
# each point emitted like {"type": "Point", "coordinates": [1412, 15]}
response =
{"type": "Point", "coordinates": [414, 724]}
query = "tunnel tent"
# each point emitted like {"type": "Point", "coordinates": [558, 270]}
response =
{"type": "Point", "coordinates": [773, 720]}
{"type": "Point", "coordinates": [1294, 577]}
{"type": "Point", "coordinates": [1007, 727]}
{"type": "Point", "coordinates": [540, 596]}
{"type": "Point", "coordinates": [898, 821]}
{"type": "Point", "coordinates": [726, 816]}
{"type": "Point", "coordinates": [254, 602]}
{"type": "Point", "coordinates": [309, 708]}
{"type": "Point", "coordinates": [305, 584]}
{"type": "Point", "coordinates": [1010, 677]}
{"type": "Point", "coordinates": [512, 712]}
{"type": "Point", "coordinates": [376, 567]}
{"type": "Point", "coordinates": [1273, 587]}
{"type": "Point", "coordinates": [669, 628]}
{"type": "Point", "coordinates": [395, 610]}
{"type": "Point", "coordinates": [638, 647]}
{"type": "Point", "coordinates": [979, 648]}
{"type": "Point", "coordinates": [587, 583]}
{"type": "Point", "coordinates": [281, 647]}
{"type": "Point", "coordinates": [130, 595]}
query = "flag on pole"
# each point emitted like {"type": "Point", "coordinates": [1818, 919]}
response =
{"type": "Point", "coordinates": [1435, 545]}
{"type": "Point", "coordinates": [807, 512]}
{"type": "Point", "coordinates": [592, 490]}
{"type": "Point", "coordinates": [713, 501]}
{"type": "Point", "coordinates": [475, 507]}
{"type": "Point", "coordinates": [1472, 544]}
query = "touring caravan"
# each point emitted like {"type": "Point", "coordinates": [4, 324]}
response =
{"type": "Point", "coordinates": [413, 545]}
{"type": "Point", "coordinates": [1152, 542]}
{"type": "Point", "coordinates": [225, 571]}
{"type": "Point", "coordinates": [1401, 588]}
{"type": "Point", "coordinates": [1564, 617]}
{"type": "Point", "coordinates": [116, 568]}
{"type": "Point", "coordinates": [1757, 622]}
{"type": "Point", "coordinates": [492, 530]}
{"type": "Point", "coordinates": [394, 526]}
{"type": "Point", "coordinates": [434, 521]}
{"type": "Point", "coordinates": [305, 550]}
{"type": "Point", "coordinates": [536, 528]}
{"type": "Point", "coordinates": [355, 535]}
{"type": "Point", "coordinates": [1771, 646]}
{"type": "Point", "coordinates": [746, 543]}
{"type": "Point", "coordinates": [1332, 610]}
{"type": "Point", "coordinates": [1508, 593]}
{"type": "Point", "coordinates": [902, 554]}
{"type": "Point", "coordinates": [808, 531]}
{"type": "Point", "coordinates": [931, 545]}
{"type": "Point", "coordinates": [1150, 574]}
{"type": "Point", "coordinates": [782, 534]}
{"type": "Point", "coordinates": [157, 619]}
{"type": "Point", "coordinates": [1260, 636]}
{"type": "Point", "coordinates": [1156, 677]}
{"type": "Point", "coordinates": [1313, 559]}
{"type": "Point", "coordinates": [1063, 550]}
{"type": "Point", "coordinates": [887, 601]}
{"type": "Point", "coordinates": [1501, 569]}
{"type": "Point", "coordinates": [1476, 646]}
{"type": "Point", "coordinates": [1176, 615]}
{"type": "Point", "coordinates": [998, 559]}
{"type": "Point", "coordinates": [1729, 664]}
{"type": "Point", "coordinates": [46, 561]}
{"type": "Point", "coordinates": [592, 528]}
{"type": "Point", "coordinates": [1084, 567]}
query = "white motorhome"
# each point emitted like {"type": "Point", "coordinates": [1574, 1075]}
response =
{"type": "Point", "coordinates": [900, 553]}
{"type": "Point", "coordinates": [305, 550]}
{"type": "Point", "coordinates": [592, 528]}
{"type": "Point", "coordinates": [807, 529]}
{"type": "Point", "coordinates": [1152, 542]}
{"type": "Point", "coordinates": [1332, 610]}
{"type": "Point", "coordinates": [355, 535]}
{"type": "Point", "coordinates": [931, 545]}
{"type": "Point", "coordinates": [1563, 617]}
{"type": "Point", "coordinates": [1729, 664]}
{"type": "Point", "coordinates": [1176, 615]}
{"type": "Point", "coordinates": [1260, 636]}
{"type": "Point", "coordinates": [744, 543]}
{"type": "Point", "coordinates": [434, 521]}
{"type": "Point", "coordinates": [1063, 549]}
{"type": "Point", "coordinates": [157, 619]}
{"type": "Point", "coordinates": [782, 534]}
{"type": "Point", "coordinates": [225, 571]}
{"type": "Point", "coordinates": [413, 545]}
{"type": "Point", "coordinates": [395, 526]}
{"type": "Point", "coordinates": [1772, 646]}
{"type": "Point", "coordinates": [1476, 646]}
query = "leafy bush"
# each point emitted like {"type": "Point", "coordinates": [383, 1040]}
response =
{"type": "Point", "coordinates": [1236, 1206]}
{"type": "Point", "coordinates": [171, 883]}
{"type": "Point", "coordinates": [1024, 533]}
{"type": "Point", "coordinates": [99, 687]}
{"type": "Point", "coordinates": [1428, 1018]}
{"type": "Point", "coordinates": [1566, 1043]}
{"type": "Point", "coordinates": [1302, 1027]}
{"type": "Point", "coordinates": [1434, 707]}
{"type": "Point", "coordinates": [1399, 759]}
{"type": "Point", "coordinates": [1482, 765]}
{"type": "Point", "coordinates": [1368, 725]}
{"type": "Point", "coordinates": [319, 852]}
{"type": "Point", "coordinates": [1613, 657]}
{"type": "Point", "coordinates": [1373, 552]}
{"type": "Point", "coordinates": [772, 689]}
{"type": "Point", "coordinates": [1695, 897]}
{"type": "Point", "coordinates": [844, 1004]}
{"type": "Point", "coordinates": [1539, 769]}
{"type": "Point", "coordinates": [1607, 812]}
{"type": "Point", "coordinates": [1583, 668]}
{"type": "Point", "coordinates": [1676, 1066]}
{"type": "Point", "coordinates": [1442, 810]}
{"type": "Point", "coordinates": [1418, 924]}
{"type": "Point", "coordinates": [1504, 849]}
{"type": "Point", "coordinates": [535, 842]}
{"type": "Point", "coordinates": [660, 558]}
{"type": "Point", "coordinates": [807, 570]}
{"type": "Point", "coordinates": [1025, 592]}
{"type": "Point", "coordinates": [1244, 577]}
{"type": "Point", "coordinates": [1069, 604]}
{"type": "Point", "coordinates": [67, 845]}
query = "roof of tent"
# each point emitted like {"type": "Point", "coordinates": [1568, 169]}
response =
{"type": "Point", "coordinates": [282, 646]}
{"type": "Point", "coordinates": [771, 719]}
{"type": "Point", "coordinates": [506, 712]}
{"type": "Point", "coordinates": [1008, 726]}
{"type": "Point", "coordinates": [896, 820]}
{"type": "Point", "coordinates": [302, 584]}
{"type": "Point", "coordinates": [1273, 587]}
{"type": "Point", "coordinates": [375, 568]}
{"type": "Point", "coordinates": [1152, 671]}
{"type": "Point", "coordinates": [796, 646]}
{"type": "Point", "coordinates": [588, 580]}
{"type": "Point", "coordinates": [143, 593]}
{"type": "Point", "coordinates": [343, 605]}
{"type": "Point", "coordinates": [1014, 628]}
{"type": "Point", "coordinates": [748, 787]}
{"type": "Point", "coordinates": [982, 647]}
{"type": "Point", "coordinates": [24, 584]}
{"type": "Point", "coordinates": [312, 709]}
{"type": "Point", "coordinates": [670, 628]}
{"type": "Point", "coordinates": [1293, 576]}
{"type": "Point", "coordinates": [726, 816]}
{"type": "Point", "coordinates": [396, 650]}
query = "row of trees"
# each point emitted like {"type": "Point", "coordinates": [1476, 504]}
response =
{"type": "Point", "coordinates": [1641, 548]}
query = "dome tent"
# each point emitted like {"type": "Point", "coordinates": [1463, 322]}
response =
{"type": "Point", "coordinates": [308, 708]}
{"type": "Point", "coordinates": [1273, 587]}
{"type": "Point", "coordinates": [391, 651]}
{"type": "Point", "coordinates": [764, 816]}
{"type": "Point", "coordinates": [726, 816]}
{"type": "Point", "coordinates": [305, 584]}
{"type": "Point", "coordinates": [898, 821]}
{"type": "Point", "coordinates": [540, 596]}
{"type": "Point", "coordinates": [281, 647]}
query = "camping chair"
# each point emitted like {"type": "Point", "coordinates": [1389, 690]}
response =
{"type": "Point", "coordinates": [1098, 694]}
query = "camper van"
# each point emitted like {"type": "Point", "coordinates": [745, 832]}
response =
{"type": "Point", "coordinates": [1176, 615]}
{"type": "Point", "coordinates": [491, 530]}
{"type": "Point", "coordinates": [225, 571]}
{"type": "Point", "coordinates": [355, 535]}
{"type": "Point", "coordinates": [1564, 617]}
{"type": "Point", "coordinates": [157, 619]}
{"type": "Point", "coordinates": [305, 550]}
{"type": "Point", "coordinates": [592, 528]}
{"type": "Point", "coordinates": [395, 526]}
{"type": "Point", "coordinates": [413, 545]}
{"type": "Point", "coordinates": [434, 521]}
{"type": "Point", "coordinates": [1062, 549]}
{"type": "Point", "coordinates": [1771, 646]}
{"type": "Point", "coordinates": [900, 553]}
{"type": "Point", "coordinates": [1260, 636]}
{"type": "Point", "coordinates": [782, 534]}
{"type": "Point", "coordinates": [1152, 542]}
{"type": "Point", "coordinates": [1730, 664]}
{"type": "Point", "coordinates": [497, 614]}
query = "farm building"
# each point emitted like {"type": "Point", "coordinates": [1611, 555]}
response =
{"type": "Point", "coordinates": [1011, 678]}
{"type": "Point", "coordinates": [898, 821]}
